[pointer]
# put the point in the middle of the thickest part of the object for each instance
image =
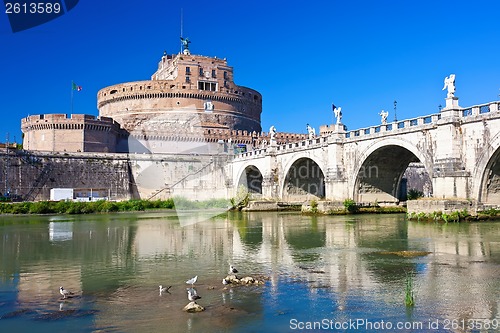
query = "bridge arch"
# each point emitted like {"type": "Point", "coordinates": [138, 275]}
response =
{"type": "Point", "coordinates": [378, 174]}
{"type": "Point", "coordinates": [304, 179]}
{"type": "Point", "coordinates": [251, 178]}
{"type": "Point", "coordinates": [486, 174]}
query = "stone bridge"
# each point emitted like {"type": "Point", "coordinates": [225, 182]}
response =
{"type": "Point", "coordinates": [459, 148]}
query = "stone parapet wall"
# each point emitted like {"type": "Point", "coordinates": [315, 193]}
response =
{"type": "Point", "coordinates": [429, 206]}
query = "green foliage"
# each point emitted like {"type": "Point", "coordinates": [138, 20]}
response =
{"type": "Point", "coordinates": [414, 194]}
{"type": "Point", "coordinates": [421, 216]}
{"type": "Point", "coordinates": [350, 206]}
{"type": "Point", "coordinates": [109, 206]}
{"type": "Point", "coordinates": [42, 207]}
{"type": "Point", "coordinates": [314, 206]}
{"type": "Point", "coordinates": [436, 216]}
{"type": "Point", "coordinates": [491, 212]}
{"type": "Point", "coordinates": [455, 216]}
{"type": "Point", "coordinates": [78, 207]}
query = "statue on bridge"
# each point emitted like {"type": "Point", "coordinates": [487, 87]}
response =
{"type": "Point", "coordinates": [272, 134]}
{"type": "Point", "coordinates": [338, 114]}
{"type": "Point", "coordinates": [311, 132]}
{"type": "Point", "coordinates": [384, 115]}
{"type": "Point", "coordinates": [449, 82]}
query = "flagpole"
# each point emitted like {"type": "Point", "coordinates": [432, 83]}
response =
{"type": "Point", "coordinates": [72, 84]}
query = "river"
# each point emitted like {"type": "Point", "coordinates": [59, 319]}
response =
{"type": "Point", "coordinates": [321, 273]}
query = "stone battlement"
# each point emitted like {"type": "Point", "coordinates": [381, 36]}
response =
{"type": "Point", "coordinates": [76, 132]}
{"type": "Point", "coordinates": [168, 89]}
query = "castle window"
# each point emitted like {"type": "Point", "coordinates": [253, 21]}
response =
{"type": "Point", "coordinates": [210, 86]}
{"type": "Point", "coordinates": [201, 71]}
{"type": "Point", "coordinates": [188, 79]}
{"type": "Point", "coordinates": [188, 71]}
{"type": "Point", "coordinates": [213, 73]}
{"type": "Point", "coordinates": [225, 75]}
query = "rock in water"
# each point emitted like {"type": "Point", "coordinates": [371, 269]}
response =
{"type": "Point", "coordinates": [247, 280]}
{"type": "Point", "coordinates": [193, 307]}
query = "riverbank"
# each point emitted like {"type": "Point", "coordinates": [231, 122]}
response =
{"type": "Point", "coordinates": [182, 204]}
{"type": "Point", "coordinates": [102, 206]}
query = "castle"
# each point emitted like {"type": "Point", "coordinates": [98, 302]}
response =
{"type": "Point", "coordinates": [191, 104]}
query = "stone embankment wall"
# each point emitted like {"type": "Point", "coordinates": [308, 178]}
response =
{"type": "Point", "coordinates": [31, 176]}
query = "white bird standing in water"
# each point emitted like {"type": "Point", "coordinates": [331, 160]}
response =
{"type": "Point", "coordinates": [65, 293]}
{"type": "Point", "coordinates": [192, 295]}
{"type": "Point", "coordinates": [232, 269]}
{"type": "Point", "coordinates": [192, 281]}
{"type": "Point", "coordinates": [225, 282]}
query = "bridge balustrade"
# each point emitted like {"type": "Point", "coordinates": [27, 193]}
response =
{"type": "Point", "coordinates": [484, 109]}
{"type": "Point", "coordinates": [403, 124]}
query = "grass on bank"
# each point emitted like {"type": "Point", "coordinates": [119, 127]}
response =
{"type": "Point", "coordinates": [456, 216]}
{"type": "Point", "coordinates": [102, 206]}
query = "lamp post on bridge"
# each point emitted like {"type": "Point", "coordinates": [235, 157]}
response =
{"type": "Point", "coordinates": [395, 117]}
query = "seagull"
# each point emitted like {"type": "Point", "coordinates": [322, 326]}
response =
{"type": "Point", "coordinates": [65, 293]}
{"type": "Point", "coordinates": [225, 282]}
{"type": "Point", "coordinates": [192, 281]}
{"type": "Point", "coordinates": [164, 289]}
{"type": "Point", "coordinates": [192, 295]}
{"type": "Point", "coordinates": [232, 269]}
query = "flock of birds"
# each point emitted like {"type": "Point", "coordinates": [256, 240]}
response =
{"type": "Point", "coordinates": [191, 292]}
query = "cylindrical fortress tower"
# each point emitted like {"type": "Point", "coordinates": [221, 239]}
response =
{"type": "Point", "coordinates": [186, 92]}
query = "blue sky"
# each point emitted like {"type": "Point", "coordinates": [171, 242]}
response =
{"type": "Point", "coordinates": [301, 56]}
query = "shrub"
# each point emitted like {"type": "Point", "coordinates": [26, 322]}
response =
{"type": "Point", "coordinates": [414, 194]}
{"type": "Point", "coordinates": [109, 206]}
{"type": "Point", "coordinates": [314, 206]}
{"type": "Point", "coordinates": [41, 207]}
{"type": "Point", "coordinates": [350, 206]}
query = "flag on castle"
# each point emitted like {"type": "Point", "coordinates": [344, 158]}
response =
{"type": "Point", "coordinates": [76, 87]}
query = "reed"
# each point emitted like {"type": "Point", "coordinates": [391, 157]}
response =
{"type": "Point", "coordinates": [409, 295]}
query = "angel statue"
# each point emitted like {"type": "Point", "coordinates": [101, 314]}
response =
{"type": "Point", "coordinates": [384, 115]}
{"type": "Point", "coordinates": [272, 133]}
{"type": "Point", "coordinates": [185, 43]}
{"type": "Point", "coordinates": [449, 82]}
{"type": "Point", "coordinates": [311, 132]}
{"type": "Point", "coordinates": [338, 114]}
